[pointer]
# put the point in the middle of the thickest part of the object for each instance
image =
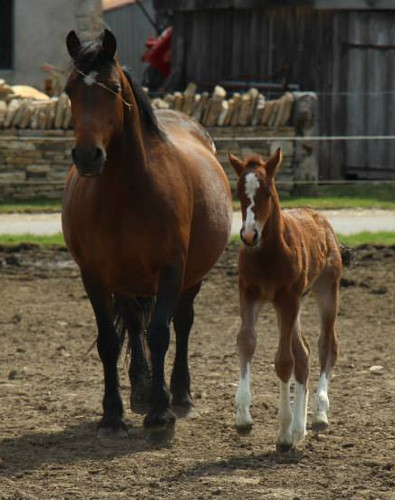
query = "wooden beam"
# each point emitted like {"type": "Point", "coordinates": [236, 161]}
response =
{"type": "Point", "coordinates": [259, 4]}
{"type": "Point", "coordinates": [355, 4]}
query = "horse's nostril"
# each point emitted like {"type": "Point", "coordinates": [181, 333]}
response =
{"type": "Point", "coordinates": [98, 154]}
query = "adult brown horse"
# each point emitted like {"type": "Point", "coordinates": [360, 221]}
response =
{"type": "Point", "coordinates": [146, 213]}
{"type": "Point", "coordinates": [285, 254]}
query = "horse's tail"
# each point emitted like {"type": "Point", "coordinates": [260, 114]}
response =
{"type": "Point", "coordinates": [130, 312]}
{"type": "Point", "coordinates": [346, 254]}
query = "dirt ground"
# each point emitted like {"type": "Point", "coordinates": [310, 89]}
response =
{"type": "Point", "coordinates": [51, 390]}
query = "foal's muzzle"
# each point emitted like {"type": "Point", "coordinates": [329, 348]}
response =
{"type": "Point", "coordinates": [250, 238]}
{"type": "Point", "coordinates": [89, 160]}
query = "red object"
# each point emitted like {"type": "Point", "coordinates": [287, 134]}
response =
{"type": "Point", "coordinates": [158, 53]}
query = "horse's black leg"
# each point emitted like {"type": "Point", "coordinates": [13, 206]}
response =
{"type": "Point", "coordinates": [108, 345]}
{"type": "Point", "coordinates": [160, 413]}
{"type": "Point", "coordinates": [180, 378]}
{"type": "Point", "coordinates": [135, 312]}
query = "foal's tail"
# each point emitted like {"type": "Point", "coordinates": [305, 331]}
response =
{"type": "Point", "coordinates": [346, 254]}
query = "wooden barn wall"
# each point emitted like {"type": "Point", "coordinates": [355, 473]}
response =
{"type": "Point", "coordinates": [370, 82]}
{"type": "Point", "coordinates": [214, 45]}
{"type": "Point", "coordinates": [132, 29]}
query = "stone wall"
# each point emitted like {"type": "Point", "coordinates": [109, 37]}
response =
{"type": "Point", "coordinates": [245, 141]}
{"type": "Point", "coordinates": [34, 163]}
{"type": "Point", "coordinates": [35, 151]}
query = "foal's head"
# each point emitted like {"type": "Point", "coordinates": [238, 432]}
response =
{"type": "Point", "coordinates": [256, 192]}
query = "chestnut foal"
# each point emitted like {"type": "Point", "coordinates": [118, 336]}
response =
{"type": "Point", "coordinates": [284, 255]}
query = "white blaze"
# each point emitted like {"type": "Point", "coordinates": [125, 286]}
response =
{"type": "Point", "coordinates": [90, 79]}
{"type": "Point", "coordinates": [251, 187]}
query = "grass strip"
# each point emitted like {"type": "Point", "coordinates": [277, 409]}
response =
{"type": "Point", "coordinates": [386, 238]}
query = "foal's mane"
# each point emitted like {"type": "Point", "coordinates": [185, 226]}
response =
{"type": "Point", "coordinates": [91, 57]}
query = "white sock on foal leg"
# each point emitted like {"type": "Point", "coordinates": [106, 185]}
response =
{"type": "Point", "coordinates": [320, 420]}
{"type": "Point", "coordinates": [284, 438]}
{"type": "Point", "coordinates": [243, 401]}
{"type": "Point", "coordinates": [298, 426]}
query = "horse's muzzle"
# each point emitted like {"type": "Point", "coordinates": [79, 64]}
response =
{"type": "Point", "coordinates": [89, 160]}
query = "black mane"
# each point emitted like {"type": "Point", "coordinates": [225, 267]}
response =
{"type": "Point", "coordinates": [91, 57]}
{"type": "Point", "coordinates": [145, 107]}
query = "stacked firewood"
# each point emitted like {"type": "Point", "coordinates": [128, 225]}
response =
{"type": "Point", "coordinates": [215, 110]}
{"type": "Point", "coordinates": [22, 107]}
{"type": "Point", "coordinates": [25, 107]}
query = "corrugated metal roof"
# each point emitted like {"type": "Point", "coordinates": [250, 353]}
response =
{"type": "Point", "coordinates": [113, 4]}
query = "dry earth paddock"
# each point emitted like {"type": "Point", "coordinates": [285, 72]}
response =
{"type": "Point", "coordinates": [51, 390]}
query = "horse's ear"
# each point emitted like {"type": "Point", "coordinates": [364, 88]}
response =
{"type": "Point", "coordinates": [274, 162]}
{"type": "Point", "coordinates": [73, 44]}
{"type": "Point", "coordinates": [236, 163]}
{"type": "Point", "coordinates": [109, 43]}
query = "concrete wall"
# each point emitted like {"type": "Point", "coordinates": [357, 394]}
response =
{"type": "Point", "coordinates": [40, 29]}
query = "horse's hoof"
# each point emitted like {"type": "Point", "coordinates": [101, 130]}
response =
{"type": "Point", "coordinates": [243, 430]}
{"type": "Point", "coordinates": [114, 430]}
{"type": "Point", "coordinates": [182, 407]}
{"type": "Point", "coordinates": [139, 403]}
{"type": "Point", "coordinates": [160, 420]}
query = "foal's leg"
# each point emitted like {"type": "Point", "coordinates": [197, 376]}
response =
{"type": "Point", "coordinates": [301, 352]}
{"type": "Point", "coordinates": [180, 378]}
{"type": "Point", "coordinates": [327, 295]}
{"type": "Point", "coordinates": [250, 305]}
{"type": "Point", "coordinates": [287, 308]}
{"type": "Point", "coordinates": [108, 345]}
{"type": "Point", "coordinates": [170, 282]}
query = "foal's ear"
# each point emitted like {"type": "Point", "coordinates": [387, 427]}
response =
{"type": "Point", "coordinates": [73, 44]}
{"type": "Point", "coordinates": [109, 43]}
{"type": "Point", "coordinates": [236, 163]}
{"type": "Point", "coordinates": [274, 162]}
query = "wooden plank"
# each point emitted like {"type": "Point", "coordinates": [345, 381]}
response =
{"type": "Point", "coordinates": [376, 101]}
{"type": "Point", "coordinates": [354, 4]}
{"type": "Point", "coordinates": [356, 153]}
{"type": "Point", "coordinates": [389, 87]}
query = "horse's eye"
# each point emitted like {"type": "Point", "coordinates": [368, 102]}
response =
{"type": "Point", "coordinates": [116, 88]}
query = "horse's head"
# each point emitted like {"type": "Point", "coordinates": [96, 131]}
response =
{"type": "Point", "coordinates": [256, 192]}
{"type": "Point", "coordinates": [95, 87]}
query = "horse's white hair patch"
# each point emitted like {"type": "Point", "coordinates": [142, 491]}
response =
{"type": "Point", "coordinates": [251, 187]}
{"type": "Point", "coordinates": [90, 78]}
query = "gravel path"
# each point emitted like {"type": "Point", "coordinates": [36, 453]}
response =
{"type": "Point", "coordinates": [343, 221]}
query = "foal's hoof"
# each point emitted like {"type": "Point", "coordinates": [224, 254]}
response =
{"type": "Point", "coordinates": [320, 423]}
{"type": "Point", "coordinates": [183, 406]}
{"type": "Point", "coordinates": [284, 447]}
{"type": "Point", "coordinates": [111, 430]}
{"type": "Point", "coordinates": [243, 430]}
{"type": "Point", "coordinates": [159, 420]}
{"type": "Point", "coordinates": [318, 427]}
